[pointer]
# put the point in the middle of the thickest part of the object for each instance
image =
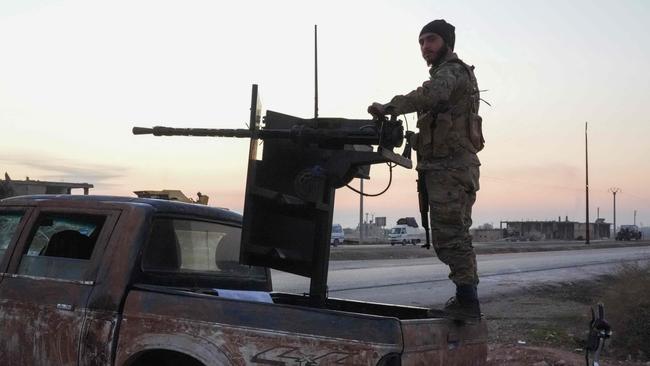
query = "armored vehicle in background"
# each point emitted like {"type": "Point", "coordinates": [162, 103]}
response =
{"type": "Point", "coordinates": [628, 232]}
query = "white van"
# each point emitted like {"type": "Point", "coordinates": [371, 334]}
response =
{"type": "Point", "coordinates": [337, 235]}
{"type": "Point", "coordinates": [405, 232]}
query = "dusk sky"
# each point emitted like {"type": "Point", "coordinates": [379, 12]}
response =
{"type": "Point", "coordinates": [76, 76]}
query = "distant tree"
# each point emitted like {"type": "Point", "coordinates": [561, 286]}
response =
{"type": "Point", "coordinates": [486, 226]}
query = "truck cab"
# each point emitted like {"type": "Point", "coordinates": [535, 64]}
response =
{"type": "Point", "coordinates": [100, 280]}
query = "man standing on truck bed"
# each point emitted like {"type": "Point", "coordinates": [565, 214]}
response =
{"type": "Point", "coordinates": [449, 137]}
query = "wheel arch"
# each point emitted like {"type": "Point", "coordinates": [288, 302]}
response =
{"type": "Point", "coordinates": [165, 349]}
{"type": "Point", "coordinates": [163, 357]}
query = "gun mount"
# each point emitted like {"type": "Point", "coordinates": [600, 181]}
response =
{"type": "Point", "coordinates": [289, 200]}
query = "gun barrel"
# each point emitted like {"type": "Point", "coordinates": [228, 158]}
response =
{"type": "Point", "coordinates": [142, 131]}
{"type": "Point", "coordinates": [208, 132]}
{"type": "Point", "coordinates": [297, 134]}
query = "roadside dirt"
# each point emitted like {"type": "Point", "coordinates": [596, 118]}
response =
{"type": "Point", "coordinates": [539, 326]}
{"type": "Point", "coordinates": [547, 326]}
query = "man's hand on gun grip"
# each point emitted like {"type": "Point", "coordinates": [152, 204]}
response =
{"type": "Point", "coordinates": [377, 110]}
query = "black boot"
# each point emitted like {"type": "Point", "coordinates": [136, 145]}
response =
{"type": "Point", "coordinates": [464, 306]}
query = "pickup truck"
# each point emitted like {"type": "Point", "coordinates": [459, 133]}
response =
{"type": "Point", "coordinates": [102, 280]}
{"type": "Point", "coordinates": [404, 234]}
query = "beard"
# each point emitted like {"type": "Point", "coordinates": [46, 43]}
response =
{"type": "Point", "coordinates": [442, 52]}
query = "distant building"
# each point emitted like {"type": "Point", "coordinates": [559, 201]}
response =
{"type": "Point", "coordinates": [11, 188]}
{"type": "Point", "coordinates": [479, 235]}
{"type": "Point", "coordinates": [373, 232]}
{"type": "Point", "coordinates": [556, 230]}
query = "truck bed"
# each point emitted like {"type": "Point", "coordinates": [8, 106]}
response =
{"type": "Point", "coordinates": [426, 337]}
{"type": "Point", "coordinates": [344, 332]}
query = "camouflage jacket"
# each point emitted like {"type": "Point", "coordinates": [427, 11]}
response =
{"type": "Point", "coordinates": [452, 90]}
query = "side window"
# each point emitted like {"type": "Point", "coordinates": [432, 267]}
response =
{"type": "Point", "coordinates": [181, 245]}
{"type": "Point", "coordinates": [9, 222]}
{"type": "Point", "coordinates": [60, 245]}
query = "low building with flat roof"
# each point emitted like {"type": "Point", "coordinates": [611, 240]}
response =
{"type": "Point", "coordinates": [12, 188]}
{"type": "Point", "coordinates": [557, 230]}
{"type": "Point", "coordinates": [483, 235]}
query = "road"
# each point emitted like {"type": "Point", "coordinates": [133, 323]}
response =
{"type": "Point", "coordinates": [423, 281]}
{"type": "Point", "coordinates": [385, 251]}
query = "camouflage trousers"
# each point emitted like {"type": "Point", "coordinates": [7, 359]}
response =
{"type": "Point", "coordinates": [452, 193]}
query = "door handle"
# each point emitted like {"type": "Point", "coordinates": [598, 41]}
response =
{"type": "Point", "coordinates": [67, 307]}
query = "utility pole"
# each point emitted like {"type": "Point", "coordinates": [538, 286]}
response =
{"type": "Point", "coordinates": [634, 217]}
{"type": "Point", "coordinates": [315, 71]}
{"type": "Point", "coordinates": [586, 187]}
{"type": "Point", "coordinates": [361, 211]}
{"type": "Point", "coordinates": [613, 191]}
{"type": "Point", "coordinates": [597, 224]}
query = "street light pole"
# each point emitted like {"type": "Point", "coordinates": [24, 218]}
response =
{"type": "Point", "coordinates": [586, 187]}
{"type": "Point", "coordinates": [613, 191]}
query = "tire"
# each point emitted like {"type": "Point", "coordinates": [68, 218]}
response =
{"type": "Point", "coordinates": [336, 242]}
{"type": "Point", "coordinates": [404, 242]}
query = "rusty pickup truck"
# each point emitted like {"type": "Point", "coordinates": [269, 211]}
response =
{"type": "Point", "coordinates": [101, 280]}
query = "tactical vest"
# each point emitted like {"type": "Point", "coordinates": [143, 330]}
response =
{"type": "Point", "coordinates": [442, 133]}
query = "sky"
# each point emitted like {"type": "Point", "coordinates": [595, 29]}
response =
{"type": "Point", "coordinates": [76, 76]}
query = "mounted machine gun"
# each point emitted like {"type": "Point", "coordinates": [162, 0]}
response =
{"type": "Point", "coordinates": [289, 201]}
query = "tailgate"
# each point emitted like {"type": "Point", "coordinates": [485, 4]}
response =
{"type": "Point", "coordinates": [441, 341]}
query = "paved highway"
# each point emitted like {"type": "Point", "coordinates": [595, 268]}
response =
{"type": "Point", "coordinates": [423, 281]}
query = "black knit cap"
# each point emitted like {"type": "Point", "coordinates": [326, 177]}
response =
{"type": "Point", "coordinates": [443, 29]}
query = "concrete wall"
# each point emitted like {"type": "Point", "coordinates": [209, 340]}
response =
{"type": "Point", "coordinates": [480, 235]}
{"type": "Point", "coordinates": [556, 230]}
{"type": "Point", "coordinates": [596, 231]}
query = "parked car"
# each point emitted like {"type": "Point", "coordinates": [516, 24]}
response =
{"type": "Point", "coordinates": [338, 237]}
